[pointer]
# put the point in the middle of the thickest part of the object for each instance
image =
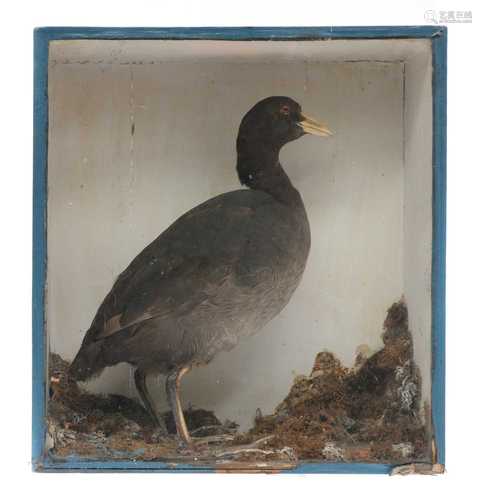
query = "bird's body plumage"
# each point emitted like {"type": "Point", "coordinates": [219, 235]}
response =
{"type": "Point", "coordinates": [217, 274]}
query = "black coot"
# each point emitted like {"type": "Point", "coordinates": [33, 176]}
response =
{"type": "Point", "coordinates": [219, 273]}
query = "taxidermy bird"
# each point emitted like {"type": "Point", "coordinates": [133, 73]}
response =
{"type": "Point", "coordinates": [218, 274]}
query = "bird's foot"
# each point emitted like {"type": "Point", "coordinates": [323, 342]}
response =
{"type": "Point", "coordinates": [189, 448]}
{"type": "Point", "coordinates": [160, 427]}
{"type": "Point", "coordinates": [158, 435]}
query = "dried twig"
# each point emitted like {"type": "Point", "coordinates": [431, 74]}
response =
{"type": "Point", "coordinates": [204, 428]}
{"type": "Point", "coordinates": [214, 439]}
{"type": "Point", "coordinates": [284, 451]}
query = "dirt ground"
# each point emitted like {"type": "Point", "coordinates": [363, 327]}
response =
{"type": "Point", "coordinates": [369, 413]}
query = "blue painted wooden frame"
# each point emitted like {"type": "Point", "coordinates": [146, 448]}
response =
{"type": "Point", "coordinates": [42, 38]}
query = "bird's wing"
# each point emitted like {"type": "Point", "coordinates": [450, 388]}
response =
{"type": "Point", "coordinates": [185, 265]}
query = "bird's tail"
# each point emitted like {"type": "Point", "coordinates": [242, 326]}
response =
{"type": "Point", "coordinates": [88, 363]}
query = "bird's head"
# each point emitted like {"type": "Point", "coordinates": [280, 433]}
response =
{"type": "Point", "coordinates": [275, 121]}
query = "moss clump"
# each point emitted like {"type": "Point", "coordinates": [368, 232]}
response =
{"type": "Point", "coordinates": [368, 413]}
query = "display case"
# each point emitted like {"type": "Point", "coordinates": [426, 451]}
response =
{"type": "Point", "coordinates": [133, 128]}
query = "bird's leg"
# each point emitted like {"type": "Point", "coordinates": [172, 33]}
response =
{"type": "Point", "coordinates": [172, 388]}
{"type": "Point", "coordinates": [140, 380]}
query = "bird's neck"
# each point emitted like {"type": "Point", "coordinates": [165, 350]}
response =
{"type": "Point", "coordinates": [259, 168]}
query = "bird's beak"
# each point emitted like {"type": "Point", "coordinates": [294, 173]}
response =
{"type": "Point", "coordinates": [311, 126]}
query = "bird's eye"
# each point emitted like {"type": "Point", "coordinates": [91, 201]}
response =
{"type": "Point", "coordinates": [285, 110]}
